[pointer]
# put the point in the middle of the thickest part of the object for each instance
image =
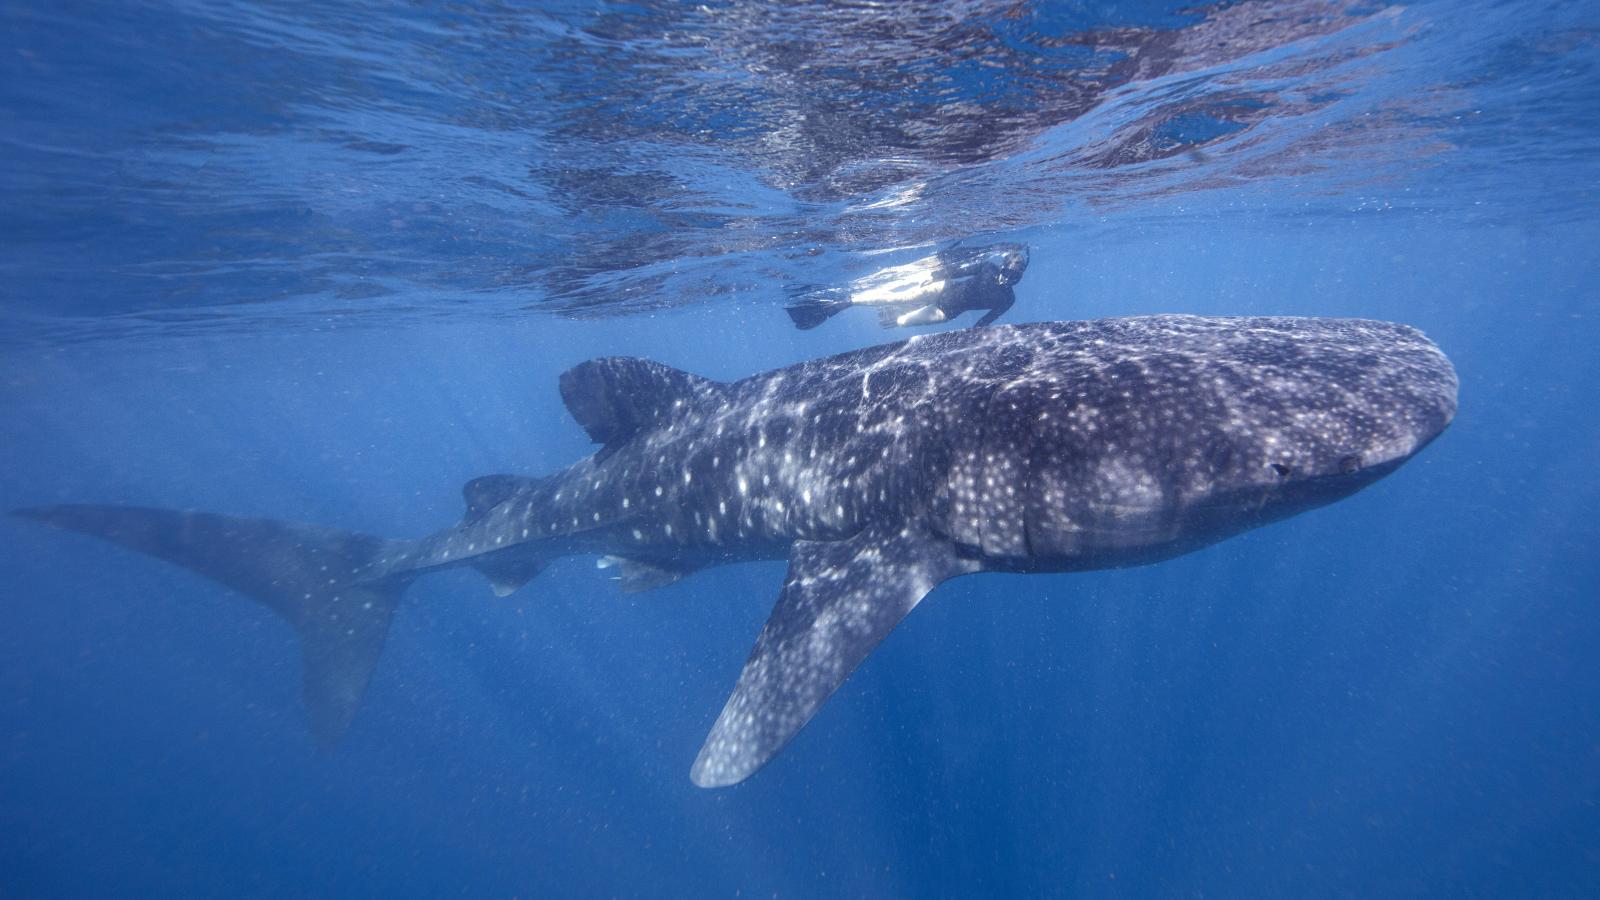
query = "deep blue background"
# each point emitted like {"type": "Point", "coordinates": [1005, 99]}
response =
{"type": "Point", "coordinates": [1398, 695]}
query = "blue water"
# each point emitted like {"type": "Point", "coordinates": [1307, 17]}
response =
{"type": "Point", "coordinates": [325, 263]}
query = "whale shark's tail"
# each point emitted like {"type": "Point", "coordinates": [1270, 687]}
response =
{"type": "Point", "coordinates": [336, 588]}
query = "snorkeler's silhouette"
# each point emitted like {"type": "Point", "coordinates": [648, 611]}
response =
{"type": "Point", "coordinates": [927, 291]}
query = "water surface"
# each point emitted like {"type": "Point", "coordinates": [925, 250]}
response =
{"type": "Point", "coordinates": [325, 264]}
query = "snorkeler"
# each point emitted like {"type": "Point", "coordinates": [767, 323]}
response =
{"type": "Point", "coordinates": [927, 291]}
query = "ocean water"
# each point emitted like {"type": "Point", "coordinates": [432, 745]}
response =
{"type": "Point", "coordinates": [325, 262]}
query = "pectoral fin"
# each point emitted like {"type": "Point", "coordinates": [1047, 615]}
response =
{"type": "Point", "coordinates": [840, 599]}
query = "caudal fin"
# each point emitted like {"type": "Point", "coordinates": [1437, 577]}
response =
{"type": "Point", "coordinates": [810, 314]}
{"type": "Point", "coordinates": [332, 586]}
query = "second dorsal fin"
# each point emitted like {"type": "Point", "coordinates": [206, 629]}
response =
{"type": "Point", "coordinates": [616, 397]}
{"type": "Point", "coordinates": [485, 493]}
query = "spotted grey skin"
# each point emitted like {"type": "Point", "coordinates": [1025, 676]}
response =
{"type": "Point", "coordinates": [878, 474]}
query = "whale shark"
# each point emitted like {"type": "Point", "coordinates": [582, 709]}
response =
{"type": "Point", "coordinates": [878, 474]}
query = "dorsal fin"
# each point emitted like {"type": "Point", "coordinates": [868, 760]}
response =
{"type": "Point", "coordinates": [485, 493]}
{"type": "Point", "coordinates": [616, 397]}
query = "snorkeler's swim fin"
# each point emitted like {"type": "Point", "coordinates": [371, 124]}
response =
{"type": "Point", "coordinates": [330, 585]}
{"type": "Point", "coordinates": [811, 313]}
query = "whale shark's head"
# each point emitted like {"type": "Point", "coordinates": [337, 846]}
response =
{"type": "Point", "coordinates": [1169, 433]}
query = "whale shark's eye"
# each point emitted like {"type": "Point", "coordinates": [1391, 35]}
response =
{"type": "Point", "coordinates": [1349, 464]}
{"type": "Point", "coordinates": [1282, 470]}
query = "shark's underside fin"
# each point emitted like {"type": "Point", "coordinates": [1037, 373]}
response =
{"type": "Point", "coordinates": [328, 584]}
{"type": "Point", "coordinates": [616, 397]}
{"type": "Point", "coordinates": [509, 571]}
{"type": "Point", "coordinates": [636, 576]}
{"type": "Point", "coordinates": [839, 601]}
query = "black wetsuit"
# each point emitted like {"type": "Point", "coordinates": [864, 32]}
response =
{"type": "Point", "coordinates": [988, 288]}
